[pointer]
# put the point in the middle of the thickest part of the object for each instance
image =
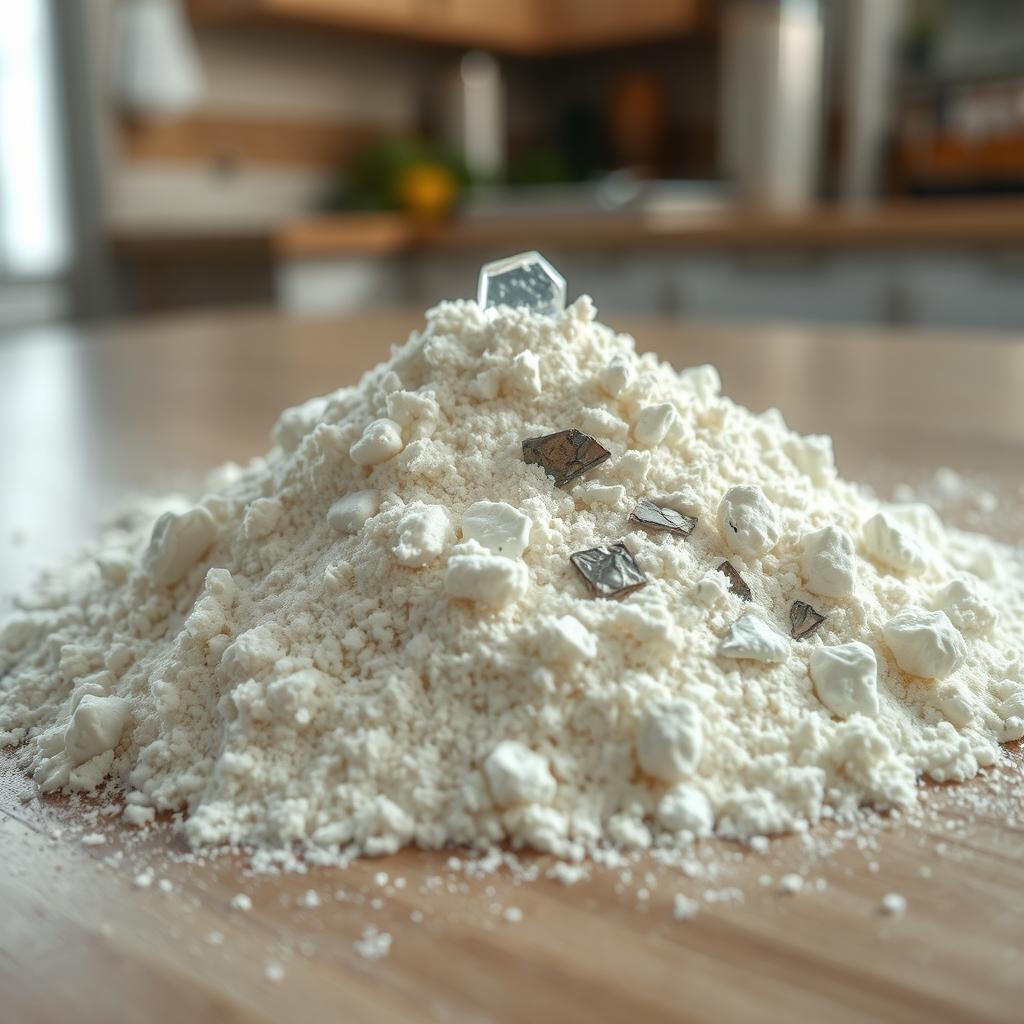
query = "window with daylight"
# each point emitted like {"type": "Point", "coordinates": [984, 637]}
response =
{"type": "Point", "coordinates": [34, 236]}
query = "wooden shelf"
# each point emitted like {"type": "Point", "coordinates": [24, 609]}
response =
{"type": "Point", "coordinates": [977, 224]}
{"type": "Point", "coordinates": [892, 225]}
{"type": "Point", "coordinates": [524, 27]}
{"type": "Point", "coordinates": [212, 137]}
{"type": "Point", "coordinates": [943, 160]}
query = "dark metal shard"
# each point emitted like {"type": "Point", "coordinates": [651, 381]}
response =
{"type": "Point", "coordinates": [803, 620]}
{"type": "Point", "coordinates": [658, 517]}
{"type": "Point", "coordinates": [736, 582]}
{"type": "Point", "coordinates": [565, 455]}
{"type": "Point", "coordinates": [609, 571]}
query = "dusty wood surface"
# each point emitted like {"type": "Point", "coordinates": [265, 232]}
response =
{"type": "Point", "coordinates": [87, 418]}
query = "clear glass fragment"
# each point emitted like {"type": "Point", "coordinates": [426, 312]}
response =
{"type": "Point", "coordinates": [523, 280]}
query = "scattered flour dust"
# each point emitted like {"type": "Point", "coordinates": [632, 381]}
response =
{"type": "Point", "coordinates": [375, 637]}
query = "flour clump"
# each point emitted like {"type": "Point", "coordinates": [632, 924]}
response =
{"type": "Point", "coordinates": [377, 636]}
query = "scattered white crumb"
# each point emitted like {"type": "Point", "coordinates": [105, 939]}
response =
{"type": "Point", "coordinates": [416, 916]}
{"type": "Point", "coordinates": [240, 902]}
{"type": "Point", "coordinates": [143, 880]}
{"type": "Point", "coordinates": [566, 873]}
{"type": "Point", "coordinates": [273, 972]}
{"type": "Point", "coordinates": [381, 878]}
{"type": "Point", "coordinates": [513, 915]}
{"type": "Point", "coordinates": [728, 894]}
{"type": "Point", "coordinates": [165, 885]}
{"type": "Point", "coordinates": [310, 898]}
{"type": "Point", "coordinates": [94, 839]}
{"type": "Point", "coordinates": [374, 944]}
{"type": "Point", "coordinates": [790, 884]}
{"type": "Point", "coordinates": [683, 908]}
{"type": "Point", "coordinates": [894, 904]}
{"type": "Point", "coordinates": [138, 816]}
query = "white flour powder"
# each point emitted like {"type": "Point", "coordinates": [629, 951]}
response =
{"type": "Point", "coordinates": [375, 636]}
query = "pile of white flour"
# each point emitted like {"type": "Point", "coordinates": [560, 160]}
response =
{"type": "Point", "coordinates": [375, 636]}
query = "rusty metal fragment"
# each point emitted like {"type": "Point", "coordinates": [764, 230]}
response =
{"type": "Point", "coordinates": [659, 517]}
{"type": "Point", "coordinates": [564, 456]}
{"type": "Point", "coordinates": [803, 620]}
{"type": "Point", "coordinates": [609, 571]}
{"type": "Point", "coordinates": [736, 582]}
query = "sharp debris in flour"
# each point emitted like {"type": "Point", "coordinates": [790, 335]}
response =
{"type": "Point", "coordinates": [609, 570]}
{"type": "Point", "coordinates": [318, 658]}
{"type": "Point", "coordinates": [736, 582]}
{"type": "Point", "coordinates": [803, 620]}
{"type": "Point", "coordinates": [564, 456]}
{"type": "Point", "coordinates": [661, 517]}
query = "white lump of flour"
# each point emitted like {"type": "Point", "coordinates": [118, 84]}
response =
{"type": "Point", "coordinates": [375, 636]}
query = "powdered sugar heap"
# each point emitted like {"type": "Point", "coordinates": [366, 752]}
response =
{"type": "Point", "coordinates": [375, 636]}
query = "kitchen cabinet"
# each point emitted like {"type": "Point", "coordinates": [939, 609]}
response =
{"type": "Point", "coordinates": [527, 27]}
{"type": "Point", "coordinates": [581, 23]}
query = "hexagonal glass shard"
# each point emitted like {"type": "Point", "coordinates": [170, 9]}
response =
{"type": "Point", "coordinates": [803, 620]}
{"type": "Point", "coordinates": [609, 571]}
{"type": "Point", "coordinates": [660, 517]}
{"type": "Point", "coordinates": [565, 455]}
{"type": "Point", "coordinates": [737, 584]}
{"type": "Point", "coordinates": [526, 280]}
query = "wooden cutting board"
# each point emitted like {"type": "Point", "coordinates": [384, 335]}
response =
{"type": "Point", "coordinates": [86, 418]}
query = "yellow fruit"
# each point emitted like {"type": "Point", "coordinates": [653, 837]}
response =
{"type": "Point", "coordinates": [427, 190]}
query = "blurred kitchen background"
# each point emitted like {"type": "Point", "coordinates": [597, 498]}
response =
{"type": "Point", "coordinates": [853, 161]}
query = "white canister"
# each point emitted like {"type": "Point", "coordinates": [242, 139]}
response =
{"type": "Point", "coordinates": [771, 90]}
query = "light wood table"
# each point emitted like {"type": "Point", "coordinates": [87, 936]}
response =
{"type": "Point", "coordinates": [87, 416]}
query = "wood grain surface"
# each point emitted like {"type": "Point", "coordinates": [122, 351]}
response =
{"type": "Point", "coordinates": [222, 139]}
{"type": "Point", "coordinates": [985, 225]}
{"type": "Point", "coordinates": [896, 225]}
{"type": "Point", "coordinates": [86, 417]}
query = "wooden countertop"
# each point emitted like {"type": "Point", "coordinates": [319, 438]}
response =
{"type": "Point", "coordinates": [89, 415]}
{"type": "Point", "coordinates": [892, 226]}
